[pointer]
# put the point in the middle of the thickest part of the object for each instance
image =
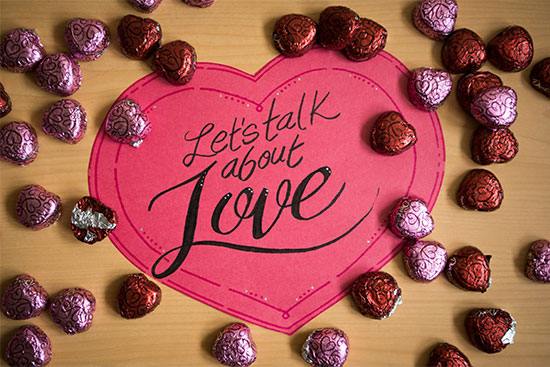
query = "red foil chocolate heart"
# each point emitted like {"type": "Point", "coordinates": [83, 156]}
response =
{"type": "Point", "coordinates": [5, 102]}
{"type": "Point", "coordinates": [490, 329]}
{"type": "Point", "coordinates": [470, 85]}
{"type": "Point", "coordinates": [480, 190]}
{"type": "Point", "coordinates": [376, 294]}
{"type": "Point", "coordinates": [337, 25]}
{"type": "Point", "coordinates": [24, 298]}
{"type": "Point", "coordinates": [294, 34]}
{"type": "Point", "coordinates": [511, 49]}
{"type": "Point", "coordinates": [92, 221]}
{"type": "Point", "coordinates": [493, 146]}
{"type": "Point", "coordinates": [73, 310]}
{"type": "Point", "coordinates": [392, 135]}
{"type": "Point", "coordinates": [138, 296]}
{"type": "Point", "coordinates": [18, 143]}
{"type": "Point", "coordinates": [540, 76]}
{"type": "Point", "coordinates": [176, 62]}
{"type": "Point", "coordinates": [138, 37]}
{"type": "Point", "coordinates": [368, 40]}
{"type": "Point", "coordinates": [234, 346]}
{"type": "Point", "coordinates": [30, 346]}
{"type": "Point", "coordinates": [469, 269]}
{"type": "Point", "coordinates": [463, 52]}
{"type": "Point", "coordinates": [447, 355]}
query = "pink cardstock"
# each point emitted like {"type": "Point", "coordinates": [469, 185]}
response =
{"type": "Point", "coordinates": [260, 195]}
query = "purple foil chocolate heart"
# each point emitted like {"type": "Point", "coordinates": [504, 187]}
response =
{"type": "Point", "coordinates": [428, 88]}
{"type": "Point", "coordinates": [424, 260]}
{"type": "Point", "coordinates": [87, 39]}
{"type": "Point", "coordinates": [30, 346]}
{"type": "Point", "coordinates": [59, 73]}
{"type": "Point", "coordinates": [65, 120]}
{"type": "Point", "coordinates": [18, 143]}
{"type": "Point", "coordinates": [234, 346]}
{"type": "Point", "coordinates": [21, 50]}
{"type": "Point", "coordinates": [538, 262]}
{"type": "Point", "coordinates": [410, 218]}
{"type": "Point", "coordinates": [72, 310]}
{"type": "Point", "coordinates": [146, 6]}
{"type": "Point", "coordinates": [495, 107]}
{"type": "Point", "coordinates": [38, 208]}
{"type": "Point", "coordinates": [435, 18]}
{"type": "Point", "coordinates": [127, 123]}
{"type": "Point", "coordinates": [326, 347]}
{"type": "Point", "coordinates": [25, 298]}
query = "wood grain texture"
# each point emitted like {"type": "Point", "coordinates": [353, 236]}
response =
{"type": "Point", "coordinates": [181, 330]}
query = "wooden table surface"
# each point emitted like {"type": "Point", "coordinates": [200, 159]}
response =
{"type": "Point", "coordinates": [181, 331]}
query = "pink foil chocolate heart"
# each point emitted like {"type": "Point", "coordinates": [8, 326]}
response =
{"type": "Point", "coordinates": [73, 310]}
{"type": "Point", "coordinates": [59, 73]}
{"type": "Point", "coordinates": [87, 39]}
{"type": "Point", "coordinates": [428, 88]}
{"type": "Point", "coordinates": [538, 262]}
{"type": "Point", "coordinates": [424, 260]}
{"type": "Point", "coordinates": [234, 346]}
{"type": "Point", "coordinates": [65, 120]}
{"type": "Point", "coordinates": [435, 18]}
{"type": "Point", "coordinates": [38, 208]}
{"type": "Point", "coordinates": [30, 346]}
{"type": "Point", "coordinates": [127, 123]}
{"type": "Point", "coordinates": [25, 298]}
{"type": "Point", "coordinates": [21, 50]}
{"type": "Point", "coordinates": [495, 107]}
{"type": "Point", "coordinates": [18, 143]}
{"type": "Point", "coordinates": [326, 347]}
{"type": "Point", "coordinates": [146, 6]}
{"type": "Point", "coordinates": [410, 218]}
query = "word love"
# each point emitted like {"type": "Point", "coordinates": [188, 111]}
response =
{"type": "Point", "coordinates": [210, 142]}
{"type": "Point", "coordinates": [247, 211]}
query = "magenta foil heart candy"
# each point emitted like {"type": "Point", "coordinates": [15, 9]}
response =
{"type": "Point", "coordinates": [87, 39]}
{"type": "Point", "coordinates": [410, 218]}
{"type": "Point", "coordinates": [127, 123]}
{"type": "Point", "coordinates": [435, 18]}
{"type": "Point", "coordinates": [495, 107]}
{"type": "Point", "coordinates": [18, 143]}
{"type": "Point", "coordinates": [424, 260]}
{"type": "Point", "coordinates": [65, 120]}
{"type": "Point", "coordinates": [30, 346]}
{"type": "Point", "coordinates": [326, 347]}
{"type": "Point", "coordinates": [538, 262]}
{"type": "Point", "coordinates": [428, 88]}
{"type": "Point", "coordinates": [234, 346]}
{"type": "Point", "coordinates": [199, 3]}
{"type": "Point", "coordinates": [146, 6]}
{"type": "Point", "coordinates": [25, 298]}
{"type": "Point", "coordinates": [59, 73]}
{"type": "Point", "coordinates": [38, 208]}
{"type": "Point", "coordinates": [21, 50]}
{"type": "Point", "coordinates": [73, 310]}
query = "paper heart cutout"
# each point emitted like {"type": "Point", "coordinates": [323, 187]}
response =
{"type": "Point", "coordinates": [138, 296]}
{"type": "Point", "coordinates": [235, 264]}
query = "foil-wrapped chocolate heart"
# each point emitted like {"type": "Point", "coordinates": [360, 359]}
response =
{"type": "Point", "coordinates": [469, 269]}
{"type": "Point", "coordinates": [127, 123]}
{"type": "Point", "coordinates": [294, 34]}
{"type": "Point", "coordinates": [540, 76]}
{"type": "Point", "coordinates": [65, 120]}
{"type": "Point", "coordinates": [424, 260]}
{"type": "Point", "coordinates": [73, 310]}
{"type": "Point", "coordinates": [21, 50]}
{"type": "Point", "coordinates": [447, 355]}
{"type": "Point", "coordinates": [369, 38]}
{"type": "Point", "coordinates": [199, 3]}
{"type": "Point", "coordinates": [463, 52]}
{"type": "Point", "coordinates": [138, 37]}
{"type": "Point", "coordinates": [490, 329]}
{"type": "Point", "coordinates": [59, 73]}
{"type": "Point", "coordinates": [511, 49]}
{"type": "Point", "coordinates": [37, 208]}
{"type": "Point", "coordinates": [234, 346]}
{"type": "Point", "coordinates": [24, 298]}
{"type": "Point", "coordinates": [87, 39]}
{"type": "Point", "coordinates": [435, 18]}
{"type": "Point", "coordinates": [5, 102]}
{"type": "Point", "coordinates": [337, 26]}
{"type": "Point", "coordinates": [495, 107]}
{"type": "Point", "coordinates": [392, 135]}
{"type": "Point", "coordinates": [176, 62]}
{"type": "Point", "coordinates": [326, 347]}
{"type": "Point", "coordinates": [376, 294]}
{"type": "Point", "coordinates": [480, 190]}
{"type": "Point", "coordinates": [470, 85]}
{"type": "Point", "coordinates": [138, 296]}
{"type": "Point", "coordinates": [146, 6]}
{"type": "Point", "coordinates": [428, 88]}
{"type": "Point", "coordinates": [29, 346]}
{"type": "Point", "coordinates": [538, 262]}
{"type": "Point", "coordinates": [18, 143]}
{"type": "Point", "coordinates": [92, 221]}
{"type": "Point", "coordinates": [493, 146]}
{"type": "Point", "coordinates": [410, 218]}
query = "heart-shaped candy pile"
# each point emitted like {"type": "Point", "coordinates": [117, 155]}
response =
{"type": "Point", "coordinates": [428, 88]}
{"type": "Point", "coordinates": [326, 347]}
{"type": "Point", "coordinates": [30, 346]}
{"type": "Point", "coordinates": [435, 18]}
{"type": "Point", "coordinates": [469, 269]}
{"type": "Point", "coordinates": [59, 73]}
{"type": "Point", "coordinates": [38, 208]}
{"type": "Point", "coordinates": [21, 50]}
{"type": "Point", "coordinates": [424, 260]}
{"type": "Point", "coordinates": [376, 294]}
{"type": "Point", "coordinates": [18, 143]}
{"type": "Point", "coordinates": [234, 346]}
{"type": "Point", "coordinates": [480, 190]}
{"type": "Point", "coordinates": [447, 355]}
{"type": "Point", "coordinates": [24, 298]}
{"type": "Point", "coordinates": [410, 218]}
{"type": "Point", "coordinates": [73, 310]}
{"type": "Point", "coordinates": [127, 123]}
{"type": "Point", "coordinates": [138, 296]}
{"type": "Point", "coordinates": [139, 37]}
{"type": "Point", "coordinates": [470, 85]}
{"type": "Point", "coordinates": [463, 52]}
{"type": "Point", "coordinates": [490, 329]}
